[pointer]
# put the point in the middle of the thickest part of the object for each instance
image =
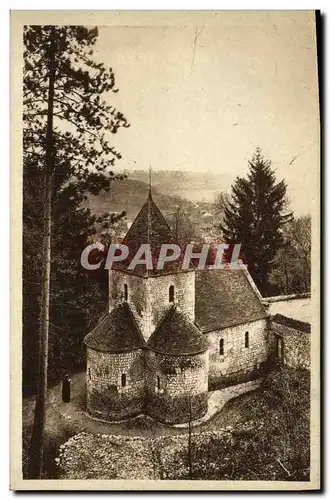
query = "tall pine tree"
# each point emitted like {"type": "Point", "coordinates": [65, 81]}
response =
{"type": "Point", "coordinates": [67, 154]}
{"type": "Point", "coordinates": [254, 218]}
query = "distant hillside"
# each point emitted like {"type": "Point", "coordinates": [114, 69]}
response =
{"type": "Point", "coordinates": [193, 186]}
{"type": "Point", "coordinates": [130, 195]}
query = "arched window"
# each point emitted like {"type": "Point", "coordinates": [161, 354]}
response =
{"type": "Point", "coordinates": [171, 294]}
{"type": "Point", "coordinates": [221, 347]}
{"type": "Point", "coordinates": [158, 383]}
{"type": "Point", "coordinates": [246, 339]}
{"type": "Point", "coordinates": [125, 292]}
{"type": "Point", "coordinates": [123, 380]}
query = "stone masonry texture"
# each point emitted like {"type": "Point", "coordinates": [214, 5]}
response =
{"type": "Point", "coordinates": [106, 397]}
{"type": "Point", "coordinates": [149, 298]}
{"type": "Point", "coordinates": [236, 358]}
{"type": "Point", "coordinates": [296, 346]}
{"type": "Point", "coordinates": [176, 386]}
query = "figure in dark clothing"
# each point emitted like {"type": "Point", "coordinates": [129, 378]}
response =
{"type": "Point", "coordinates": [66, 389]}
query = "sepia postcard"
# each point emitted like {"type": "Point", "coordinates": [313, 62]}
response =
{"type": "Point", "coordinates": [165, 257]}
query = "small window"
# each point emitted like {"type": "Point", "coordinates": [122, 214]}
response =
{"type": "Point", "coordinates": [171, 294]}
{"type": "Point", "coordinates": [125, 292]}
{"type": "Point", "coordinates": [221, 347]}
{"type": "Point", "coordinates": [158, 383]}
{"type": "Point", "coordinates": [89, 373]}
{"type": "Point", "coordinates": [123, 380]}
{"type": "Point", "coordinates": [246, 339]}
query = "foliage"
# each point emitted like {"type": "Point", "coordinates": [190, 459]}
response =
{"type": "Point", "coordinates": [182, 224]}
{"type": "Point", "coordinates": [292, 268]}
{"type": "Point", "coordinates": [220, 203]}
{"type": "Point", "coordinates": [239, 377]}
{"type": "Point", "coordinates": [179, 363]}
{"type": "Point", "coordinates": [87, 456]}
{"type": "Point", "coordinates": [271, 444]}
{"type": "Point", "coordinates": [113, 405]}
{"type": "Point", "coordinates": [254, 217]}
{"type": "Point", "coordinates": [176, 409]}
{"type": "Point", "coordinates": [83, 159]}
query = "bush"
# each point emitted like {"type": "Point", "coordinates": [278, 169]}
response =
{"type": "Point", "coordinates": [172, 410]}
{"type": "Point", "coordinates": [111, 405]}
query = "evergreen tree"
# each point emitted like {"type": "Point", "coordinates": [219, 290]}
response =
{"type": "Point", "coordinates": [67, 154]}
{"type": "Point", "coordinates": [254, 218]}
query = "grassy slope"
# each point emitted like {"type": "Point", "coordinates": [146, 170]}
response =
{"type": "Point", "coordinates": [64, 420]}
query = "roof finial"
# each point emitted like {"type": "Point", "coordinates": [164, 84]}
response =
{"type": "Point", "coordinates": [150, 180]}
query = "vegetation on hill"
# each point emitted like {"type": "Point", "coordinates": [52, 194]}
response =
{"type": "Point", "coordinates": [194, 186]}
{"type": "Point", "coordinates": [291, 272]}
{"type": "Point", "coordinates": [130, 194]}
{"type": "Point", "coordinates": [270, 442]}
{"type": "Point", "coordinates": [67, 153]}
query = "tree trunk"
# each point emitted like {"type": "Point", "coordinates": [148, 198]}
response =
{"type": "Point", "coordinates": [286, 279]}
{"type": "Point", "coordinates": [37, 439]}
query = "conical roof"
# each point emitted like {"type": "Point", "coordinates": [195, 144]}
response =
{"type": "Point", "coordinates": [116, 332]}
{"type": "Point", "coordinates": [176, 336]}
{"type": "Point", "coordinates": [149, 227]}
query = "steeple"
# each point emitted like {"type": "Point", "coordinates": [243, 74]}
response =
{"type": "Point", "coordinates": [149, 196]}
{"type": "Point", "coordinates": [150, 299]}
{"type": "Point", "coordinates": [149, 227]}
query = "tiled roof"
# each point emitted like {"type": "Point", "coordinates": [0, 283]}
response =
{"type": "Point", "coordinates": [224, 298]}
{"type": "Point", "coordinates": [116, 332]}
{"type": "Point", "coordinates": [150, 227]}
{"type": "Point", "coordinates": [176, 336]}
{"type": "Point", "coordinates": [301, 326]}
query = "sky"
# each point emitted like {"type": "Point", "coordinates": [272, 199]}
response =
{"type": "Point", "coordinates": [203, 93]}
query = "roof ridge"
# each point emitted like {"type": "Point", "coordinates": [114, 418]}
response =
{"type": "Point", "coordinates": [177, 335]}
{"type": "Point", "coordinates": [252, 284]}
{"type": "Point", "coordinates": [134, 222]}
{"type": "Point", "coordinates": [161, 323]}
{"type": "Point", "coordinates": [135, 322]}
{"type": "Point", "coordinates": [166, 223]}
{"type": "Point", "coordinates": [296, 324]}
{"type": "Point", "coordinates": [250, 280]}
{"type": "Point", "coordinates": [118, 332]}
{"type": "Point", "coordinates": [164, 318]}
{"type": "Point", "coordinates": [99, 323]}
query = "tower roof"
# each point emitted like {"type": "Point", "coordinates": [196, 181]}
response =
{"type": "Point", "coordinates": [176, 336]}
{"type": "Point", "coordinates": [116, 332]}
{"type": "Point", "coordinates": [149, 227]}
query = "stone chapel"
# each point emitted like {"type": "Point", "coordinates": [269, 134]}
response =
{"type": "Point", "coordinates": [171, 335]}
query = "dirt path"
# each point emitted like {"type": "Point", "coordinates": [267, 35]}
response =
{"type": "Point", "coordinates": [64, 420]}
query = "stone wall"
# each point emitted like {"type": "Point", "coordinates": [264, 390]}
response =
{"type": "Point", "coordinates": [237, 360]}
{"type": "Point", "coordinates": [176, 386]}
{"type": "Point", "coordinates": [149, 297]}
{"type": "Point", "coordinates": [106, 397]}
{"type": "Point", "coordinates": [293, 346]}
{"type": "Point", "coordinates": [294, 306]}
